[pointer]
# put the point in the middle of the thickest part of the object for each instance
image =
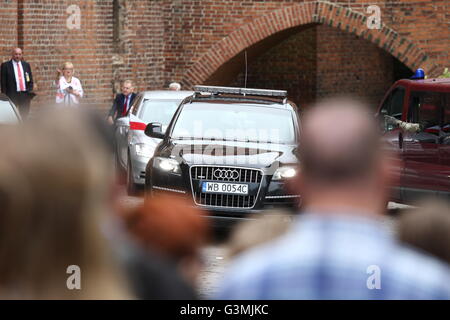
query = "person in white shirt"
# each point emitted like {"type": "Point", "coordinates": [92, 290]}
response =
{"type": "Point", "coordinates": [69, 89]}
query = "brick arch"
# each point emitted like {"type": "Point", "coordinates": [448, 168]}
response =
{"type": "Point", "coordinates": [322, 12]}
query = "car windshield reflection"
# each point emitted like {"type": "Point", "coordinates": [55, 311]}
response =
{"type": "Point", "coordinates": [236, 123]}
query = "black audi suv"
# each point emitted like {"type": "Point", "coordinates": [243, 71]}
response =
{"type": "Point", "coordinates": [231, 150]}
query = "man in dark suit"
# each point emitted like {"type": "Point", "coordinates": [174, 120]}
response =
{"type": "Point", "coordinates": [17, 81]}
{"type": "Point", "coordinates": [122, 102]}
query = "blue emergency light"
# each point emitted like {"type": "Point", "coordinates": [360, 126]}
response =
{"type": "Point", "coordinates": [418, 75]}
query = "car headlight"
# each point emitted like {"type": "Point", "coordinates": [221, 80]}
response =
{"type": "Point", "coordinates": [168, 165]}
{"type": "Point", "coordinates": [144, 150]}
{"type": "Point", "coordinates": [284, 173]}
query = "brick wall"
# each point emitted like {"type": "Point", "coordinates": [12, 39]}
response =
{"type": "Point", "coordinates": [347, 64]}
{"type": "Point", "coordinates": [291, 65]}
{"type": "Point", "coordinates": [8, 21]}
{"type": "Point", "coordinates": [158, 41]}
{"type": "Point", "coordinates": [47, 43]}
{"type": "Point", "coordinates": [140, 55]}
{"type": "Point", "coordinates": [321, 61]}
{"type": "Point", "coordinates": [416, 32]}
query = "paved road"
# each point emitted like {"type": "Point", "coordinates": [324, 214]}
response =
{"type": "Point", "coordinates": [215, 254]}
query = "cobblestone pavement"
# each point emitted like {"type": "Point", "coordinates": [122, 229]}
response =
{"type": "Point", "coordinates": [215, 264]}
{"type": "Point", "coordinates": [215, 254]}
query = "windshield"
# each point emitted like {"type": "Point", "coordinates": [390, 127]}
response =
{"type": "Point", "coordinates": [159, 110]}
{"type": "Point", "coordinates": [7, 114]}
{"type": "Point", "coordinates": [430, 108]}
{"type": "Point", "coordinates": [235, 122]}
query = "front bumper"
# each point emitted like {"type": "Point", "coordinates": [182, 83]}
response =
{"type": "Point", "coordinates": [225, 221]}
{"type": "Point", "coordinates": [272, 195]}
{"type": "Point", "coordinates": [138, 165]}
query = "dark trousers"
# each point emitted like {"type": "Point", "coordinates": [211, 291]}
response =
{"type": "Point", "coordinates": [22, 101]}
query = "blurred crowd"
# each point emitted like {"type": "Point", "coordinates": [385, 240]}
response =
{"type": "Point", "coordinates": [60, 207]}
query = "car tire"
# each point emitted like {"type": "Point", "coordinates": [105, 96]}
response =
{"type": "Point", "coordinates": [131, 186]}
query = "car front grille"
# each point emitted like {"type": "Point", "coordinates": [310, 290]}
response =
{"type": "Point", "coordinates": [207, 173]}
{"type": "Point", "coordinates": [225, 174]}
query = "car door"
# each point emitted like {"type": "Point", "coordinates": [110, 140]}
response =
{"type": "Point", "coordinates": [424, 174]}
{"type": "Point", "coordinates": [444, 144]}
{"type": "Point", "coordinates": [393, 105]}
{"type": "Point", "coordinates": [444, 147]}
{"type": "Point", "coordinates": [122, 131]}
{"type": "Point", "coordinates": [8, 112]}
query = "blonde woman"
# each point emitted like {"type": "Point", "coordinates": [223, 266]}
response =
{"type": "Point", "coordinates": [53, 206]}
{"type": "Point", "coordinates": [69, 89]}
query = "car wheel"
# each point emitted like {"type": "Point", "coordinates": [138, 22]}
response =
{"type": "Point", "coordinates": [131, 186]}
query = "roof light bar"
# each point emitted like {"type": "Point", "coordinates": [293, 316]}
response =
{"type": "Point", "coordinates": [242, 91]}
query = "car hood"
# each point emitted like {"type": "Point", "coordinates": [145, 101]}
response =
{"type": "Point", "coordinates": [213, 152]}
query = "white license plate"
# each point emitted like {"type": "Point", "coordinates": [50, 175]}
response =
{"type": "Point", "coordinates": [231, 188]}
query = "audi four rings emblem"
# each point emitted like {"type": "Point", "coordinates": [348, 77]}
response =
{"type": "Point", "coordinates": [226, 174]}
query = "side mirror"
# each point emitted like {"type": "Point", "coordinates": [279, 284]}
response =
{"type": "Point", "coordinates": [154, 130]}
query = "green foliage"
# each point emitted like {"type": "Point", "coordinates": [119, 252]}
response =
{"type": "Point", "coordinates": [446, 74]}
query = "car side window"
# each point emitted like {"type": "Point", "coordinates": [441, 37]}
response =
{"type": "Point", "coordinates": [446, 123]}
{"type": "Point", "coordinates": [428, 109]}
{"type": "Point", "coordinates": [135, 106]}
{"type": "Point", "coordinates": [446, 110]}
{"type": "Point", "coordinates": [386, 105]}
{"type": "Point", "coordinates": [396, 107]}
{"type": "Point", "coordinates": [393, 106]}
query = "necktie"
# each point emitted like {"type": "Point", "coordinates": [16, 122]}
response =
{"type": "Point", "coordinates": [124, 112]}
{"type": "Point", "coordinates": [19, 74]}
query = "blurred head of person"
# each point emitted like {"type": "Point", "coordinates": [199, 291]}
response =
{"type": "Point", "coordinates": [54, 178]}
{"type": "Point", "coordinates": [127, 87]}
{"type": "Point", "coordinates": [342, 165]}
{"type": "Point", "coordinates": [68, 70]}
{"type": "Point", "coordinates": [175, 86]}
{"type": "Point", "coordinates": [171, 227]}
{"type": "Point", "coordinates": [17, 54]}
{"type": "Point", "coordinates": [427, 228]}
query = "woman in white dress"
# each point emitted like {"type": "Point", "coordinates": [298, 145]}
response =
{"type": "Point", "coordinates": [69, 89]}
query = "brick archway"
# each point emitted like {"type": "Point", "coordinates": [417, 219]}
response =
{"type": "Point", "coordinates": [322, 12]}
